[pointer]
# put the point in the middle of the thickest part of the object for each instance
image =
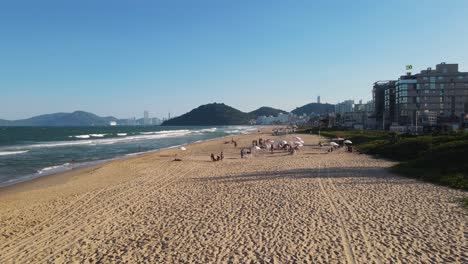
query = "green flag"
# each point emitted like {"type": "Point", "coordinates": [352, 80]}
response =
{"type": "Point", "coordinates": [409, 67]}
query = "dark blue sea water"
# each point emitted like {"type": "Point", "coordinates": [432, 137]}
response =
{"type": "Point", "coordinates": [30, 152]}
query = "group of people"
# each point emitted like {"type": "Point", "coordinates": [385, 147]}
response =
{"type": "Point", "coordinates": [217, 158]}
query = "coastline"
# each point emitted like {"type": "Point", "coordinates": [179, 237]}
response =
{"type": "Point", "coordinates": [98, 163]}
{"type": "Point", "coordinates": [315, 205]}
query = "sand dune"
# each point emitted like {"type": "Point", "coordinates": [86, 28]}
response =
{"type": "Point", "coordinates": [313, 207]}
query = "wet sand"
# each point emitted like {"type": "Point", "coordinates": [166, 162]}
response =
{"type": "Point", "coordinates": [312, 207]}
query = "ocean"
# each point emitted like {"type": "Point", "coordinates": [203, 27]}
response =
{"type": "Point", "coordinates": [30, 152]}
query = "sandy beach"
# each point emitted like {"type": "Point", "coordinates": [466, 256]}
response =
{"type": "Point", "coordinates": [312, 207]}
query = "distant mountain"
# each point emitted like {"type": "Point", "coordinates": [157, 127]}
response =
{"type": "Point", "coordinates": [267, 111]}
{"type": "Point", "coordinates": [314, 108]}
{"type": "Point", "coordinates": [77, 118]}
{"type": "Point", "coordinates": [211, 115]}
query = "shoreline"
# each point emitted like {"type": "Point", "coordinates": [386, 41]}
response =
{"type": "Point", "coordinates": [86, 167]}
{"type": "Point", "coordinates": [97, 163]}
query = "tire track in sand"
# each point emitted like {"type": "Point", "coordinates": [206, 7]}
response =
{"type": "Point", "coordinates": [343, 227]}
{"type": "Point", "coordinates": [350, 209]}
{"type": "Point", "coordinates": [52, 222]}
{"type": "Point", "coordinates": [148, 195]}
{"type": "Point", "coordinates": [82, 218]}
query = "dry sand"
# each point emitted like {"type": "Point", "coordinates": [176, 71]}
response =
{"type": "Point", "coordinates": [313, 207]}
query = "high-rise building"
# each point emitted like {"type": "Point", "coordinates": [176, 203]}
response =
{"type": "Point", "coordinates": [383, 94]}
{"type": "Point", "coordinates": [146, 119]}
{"type": "Point", "coordinates": [432, 96]}
{"type": "Point", "coordinates": [344, 107]}
{"type": "Point", "coordinates": [318, 99]}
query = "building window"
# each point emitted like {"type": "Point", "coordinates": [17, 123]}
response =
{"type": "Point", "coordinates": [460, 77]}
{"type": "Point", "coordinates": [440, 78]}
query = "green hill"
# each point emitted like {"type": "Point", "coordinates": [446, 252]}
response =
{"type": "Point", "coordinates": [267, 111]}
{"type": "Point", "coordinates": [77, 118]}
{"type": "Point", "coordinates": [211, 114]}
{"type": "Point", "coordinates": [314, 108]}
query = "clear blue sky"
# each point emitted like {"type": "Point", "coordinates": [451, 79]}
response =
{"type": "Point", "coordinates": [122, 57]}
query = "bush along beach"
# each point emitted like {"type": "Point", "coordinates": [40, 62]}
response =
{"type": "Point", "coordinates": [437, 158]}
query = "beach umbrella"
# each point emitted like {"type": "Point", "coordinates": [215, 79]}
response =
{"type": "Point", "coordinates": [347, 142]}
{"type": "Point", "coordinates": [334, 144]}
{"type": "Point", "coordinates": [284, 142]}
{"type": "Point", "coordinates": [257, 147]}
{"type": "Point", "coordinates": [182, 148]}
{"type": "Point", "coordinates": [299, 139]}
{"type": "Point", "coordinates": [297, 143]}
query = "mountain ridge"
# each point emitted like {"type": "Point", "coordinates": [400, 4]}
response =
{"type": "Point", "coordinates": [76, 118]}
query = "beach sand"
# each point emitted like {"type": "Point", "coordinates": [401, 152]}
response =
{"type": "Point", "coordinates": [312, 207]}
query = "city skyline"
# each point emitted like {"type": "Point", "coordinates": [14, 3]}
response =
{"type": "Point", "coordinates": [124, 58]}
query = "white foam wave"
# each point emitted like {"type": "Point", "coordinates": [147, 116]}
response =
{"type": "Point", "coordinates": [6, 153]}
{"type": "Point", "coordinates": [107, 141]}
{"type": "Point", "coordinates": [53, 168]}
{"type": "Point", "coordinates": [209, 129]}
{"type": "Point", "coordinates": [82, 136]}
{"type": "Point", "coordinates": [121, 134]}
{"type": "Point", "coordinates": [97, 135]}
{"type": "Point", "coordinates": [165, 132]}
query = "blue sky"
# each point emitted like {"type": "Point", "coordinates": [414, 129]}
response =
{"type": "Point", "coordinates": [122, 57]}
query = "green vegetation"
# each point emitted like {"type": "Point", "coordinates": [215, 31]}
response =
{"type": "Point", "coordinates": [209, 115]}
{"type": "Point", "coordinates": [267, 111]}
{"type": "Point", "coordinates": [219, 114]}
{"type": "Point", "coordinates": [438, 158]}
{"type": "Point", "coordinates": [77, 118]}
{"type": "Point", "coordinates": [314, 108]}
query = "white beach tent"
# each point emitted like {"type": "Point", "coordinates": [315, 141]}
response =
{"type": "Point", "coordinates": [347, 142]}
{"type": "Point", "coordinates": [334, 144]}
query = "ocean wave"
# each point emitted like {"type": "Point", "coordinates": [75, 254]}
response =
{"type": "Point", "coordinates": [209, 129]}
{"type": "Point", "coordinates": [165, 132]}
{"type": "Point", "coordinates": [82, 136]}
{"type": "Point", "coordinates": [122, 134]}
{"type": "Point", "coordinates": [6, 153]}
{"type": "Point", "coordinates": [97, 135]}
{"type": "Point", "coordinates": [54, 168]}
{"type": "Point", "coordinates": [105, 141]}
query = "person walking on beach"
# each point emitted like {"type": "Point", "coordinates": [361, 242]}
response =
{"type": "Point", "coordinates": [222, 155]}
{"type": "Point", "coordinates": [272, 148]}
